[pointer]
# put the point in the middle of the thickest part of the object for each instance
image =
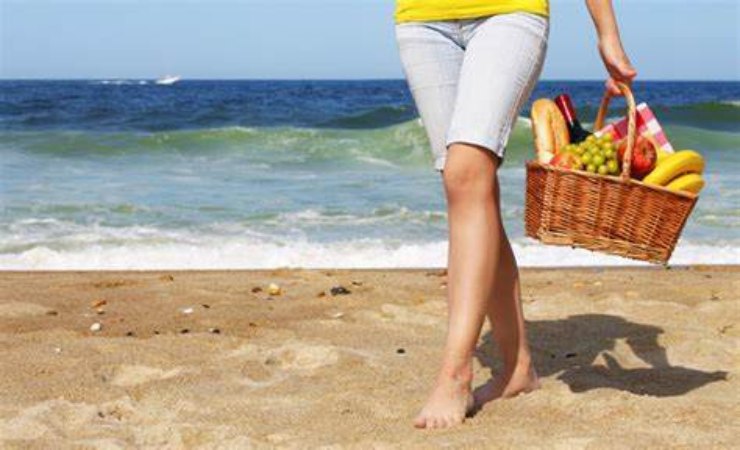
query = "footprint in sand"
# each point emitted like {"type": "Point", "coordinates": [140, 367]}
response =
{"type": "Point", "coordinates": [22, 309]}
{"type": "Point", "coordinates": [267, 366]}
{"type": "Point", "coordinates": [133, 375]}
{"type": "Point", "coordinates": [50, 418]}
{"type": "Point", "coordinates": [404, 315]}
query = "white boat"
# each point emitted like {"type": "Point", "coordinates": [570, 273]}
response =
{"type": "Point", "coordinates": [168, 79]}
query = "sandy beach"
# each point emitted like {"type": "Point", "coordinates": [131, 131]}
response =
{"type": "Point", "coordinates": [628, 358]}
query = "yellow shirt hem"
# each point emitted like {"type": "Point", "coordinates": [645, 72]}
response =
{"type": "Point", "coordinates": [425, 16]}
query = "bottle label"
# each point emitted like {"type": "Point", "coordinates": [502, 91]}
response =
{"type": "Point", "coordinates": [566, 107]}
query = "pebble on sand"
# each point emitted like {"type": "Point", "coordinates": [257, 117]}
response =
{"type": "Point", "coordinates": [274, 289]}
{"type": "Point", "coordinates": [188, 310]}
{"type": "Point", "coordinates": [98, 303]}
{"type": "Point", "coordinates": [97, 326]}
{"type": "Point", "coordinates": [340, 290]}
{"type": "Point", "coordinates": [256, 289]}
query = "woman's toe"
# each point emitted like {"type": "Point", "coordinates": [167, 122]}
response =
{"type": "Point", "coordinates": [433, 422]}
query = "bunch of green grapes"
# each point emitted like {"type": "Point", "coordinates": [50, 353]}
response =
{"type": "Point", "coordinates": [596, 154]}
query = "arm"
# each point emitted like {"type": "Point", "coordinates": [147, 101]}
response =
{"type": "Point", "coordinates": [610, 45]}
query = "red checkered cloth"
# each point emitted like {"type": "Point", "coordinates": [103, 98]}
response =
{"type": "Point", "coordinates": [647, 123]}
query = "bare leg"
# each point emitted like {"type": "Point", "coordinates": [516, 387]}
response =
{"type": "Point", "coordinates": [508, 330]}
{"type": "Point", "coordinates": [475, 232]}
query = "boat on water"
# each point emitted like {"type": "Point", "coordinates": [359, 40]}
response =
{"type": "Point", "coordinates": [168, 79]}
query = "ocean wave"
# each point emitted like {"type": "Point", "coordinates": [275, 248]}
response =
{"type": "Point", "coordinates": [401, 144]}
{"type": "Point", "coordinates": [389, 214]}
{"type": "Point", "coordinates": [719, 116]}
{"type": "Point", "coordinates": [404, 144]}
{"type": "Point", "coordinates": [251, 253]}
{"type": "Point", "coordinates": [373, 118]}
{"type": "Point", "coordinates": [385, 235]}
{"type": "Point", "coordinates": [702, 139]}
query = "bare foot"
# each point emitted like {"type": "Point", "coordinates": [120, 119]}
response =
{"type": "Point", "coordinates": [449, 402]}
{"type": "Point", "coordinates": [521, 380]}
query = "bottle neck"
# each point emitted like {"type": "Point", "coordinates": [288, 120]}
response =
{"type": "Point", "coordinates": [566, 107]}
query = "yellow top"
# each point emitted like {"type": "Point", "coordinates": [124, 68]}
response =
{"type": "Point", "coordinates": [425, 10]}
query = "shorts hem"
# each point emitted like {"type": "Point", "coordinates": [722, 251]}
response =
{"type": "Point", "coordinates": [489, 144]}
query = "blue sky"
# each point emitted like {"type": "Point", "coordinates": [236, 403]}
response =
{"type": "Point", "coordinates": [336, 39]}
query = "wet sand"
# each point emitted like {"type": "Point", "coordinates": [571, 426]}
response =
{"type": "Point", "coordinates": [628, 358]}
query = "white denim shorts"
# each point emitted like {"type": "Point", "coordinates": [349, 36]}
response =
{"type": "Point", "coordinates": [470, 77]}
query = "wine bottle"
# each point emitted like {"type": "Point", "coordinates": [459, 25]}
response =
{"type": "Point", "coordinates": [576, 131]}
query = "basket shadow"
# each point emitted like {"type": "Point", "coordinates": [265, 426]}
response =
{"type": "Point", "coordinates": [569, 348]}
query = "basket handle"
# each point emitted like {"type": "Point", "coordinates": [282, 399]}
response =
{"type": "Point", "coordinates": [631, 124]}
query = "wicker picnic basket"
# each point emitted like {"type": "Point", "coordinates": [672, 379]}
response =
{"type": "Point", "coordinates": [610, 214]}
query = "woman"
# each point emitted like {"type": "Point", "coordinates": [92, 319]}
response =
{"type": "Point", "coordinates": [470, 65]}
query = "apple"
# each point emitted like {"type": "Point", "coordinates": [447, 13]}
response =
{"type": "Point", "coordinates": [566, 160]}
{"type": "Point", "coordinates": [644, 156]}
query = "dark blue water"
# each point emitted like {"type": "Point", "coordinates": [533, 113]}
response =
{"type": "Point", "coordinates": [126, 173]}
{"type": "Point", "coordinates": [120, 105]}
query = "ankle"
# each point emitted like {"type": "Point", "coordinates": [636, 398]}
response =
{"type": "Point", "coordinates": [458, 369]}
{"type": "Point", "coordinates": [520, 363]}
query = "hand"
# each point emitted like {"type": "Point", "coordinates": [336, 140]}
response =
{"type": "Point", "coordinates": [617, 64]}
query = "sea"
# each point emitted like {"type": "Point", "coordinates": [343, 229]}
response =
{"type": "Point", "coordinates": [127, 174]}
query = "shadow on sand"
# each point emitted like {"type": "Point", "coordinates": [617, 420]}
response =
{"type": "Point", "coordinates": [569, 347]}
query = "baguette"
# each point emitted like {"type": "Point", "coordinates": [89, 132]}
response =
{"type": "Point", "coordinates": [549, 129]}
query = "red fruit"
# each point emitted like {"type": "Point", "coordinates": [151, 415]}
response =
{"type": "Point", "coordinates": [644, 156]}
{"type": "Point", "coordinates": [566, 160]}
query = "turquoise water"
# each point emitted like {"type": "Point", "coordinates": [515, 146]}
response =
{"type": "Point", "coordinates": [267, 174]}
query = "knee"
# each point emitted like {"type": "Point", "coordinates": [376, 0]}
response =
{"type": "Point", "coordinates": [468, 177]}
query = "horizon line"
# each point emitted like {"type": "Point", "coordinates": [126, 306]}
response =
{"type": "Point", "coordinates": [679, 80]}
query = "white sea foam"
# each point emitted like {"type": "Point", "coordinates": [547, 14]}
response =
{"type": "Point", "coordinates": [376, 161]}
{"type": "Point", "coordinates": [524, 121]}
{"type": "Point", "coordinates": [116, 82]}
{"type": "Point", "coordinates": [253, 252]}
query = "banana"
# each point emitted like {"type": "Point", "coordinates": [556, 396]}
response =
{"type": "Point", "coordinates": [662, 155]}
{"type": "Point", "coordinates": [691, 182]}
{"type": "Point", "coordinates": [672, 166]}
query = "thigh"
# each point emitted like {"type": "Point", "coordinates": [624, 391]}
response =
{"type": "Point", "coordinates": [431, 59]}
{"type": "Point", "coordinates": [503, 59]}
